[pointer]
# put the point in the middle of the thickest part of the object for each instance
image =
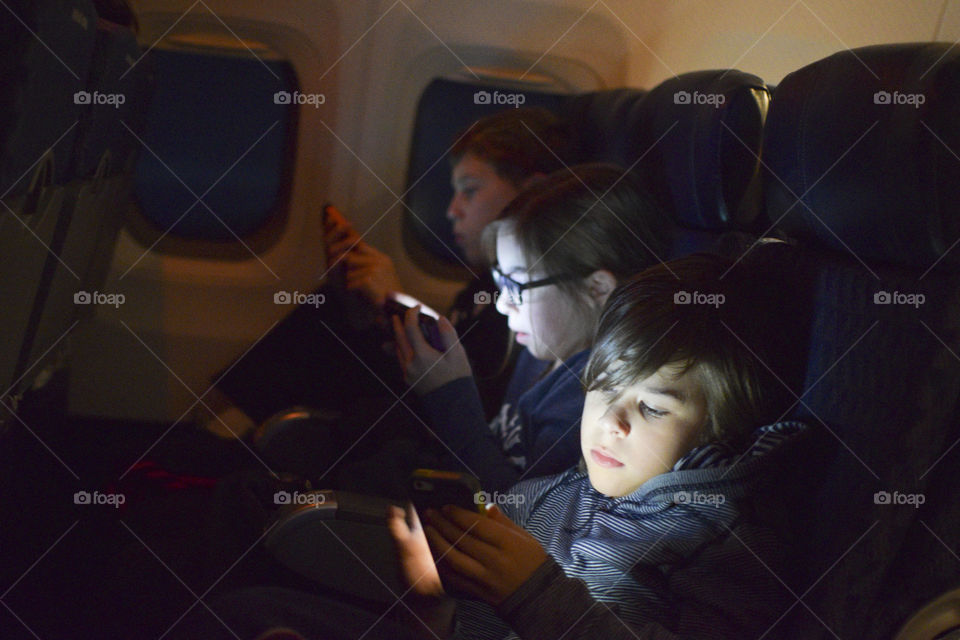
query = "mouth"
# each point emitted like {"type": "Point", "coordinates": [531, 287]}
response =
{"type": "Point", "coordinates": [604, 460]}
{"type": "Point", "coordinates": [521, 337]}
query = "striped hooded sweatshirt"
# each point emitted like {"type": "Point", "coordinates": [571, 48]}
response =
{"type": "Point", "coordinates": [680, 557]}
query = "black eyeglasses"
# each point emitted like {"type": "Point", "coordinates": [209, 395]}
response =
{"type": "Point", "coordinates": [514, 289]}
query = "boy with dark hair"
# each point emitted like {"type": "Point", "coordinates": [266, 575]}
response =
{"type": "Point", "coordinates": [652, 537]}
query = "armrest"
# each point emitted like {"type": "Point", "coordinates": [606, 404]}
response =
{"type": "Point", "coordinates": [339, 540]}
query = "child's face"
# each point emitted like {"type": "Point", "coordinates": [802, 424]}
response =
{"type": "Point", "coordinates": [479, 195]}
{"type": "Point", "coordinates": [638, 432]}
{"type": "Point", "coordinates": [548, 322]}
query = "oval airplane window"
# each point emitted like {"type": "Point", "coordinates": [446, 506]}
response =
{"type": "Point", "coordinates": [216, 162]}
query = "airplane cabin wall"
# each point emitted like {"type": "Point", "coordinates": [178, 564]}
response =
{"type": "Point", "coordinates": [187, 318]}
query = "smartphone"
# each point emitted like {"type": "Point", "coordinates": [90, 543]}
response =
{"type": "Point", "coordinates": [397, 304]}
{"type": "Point", "coordinates": [431, 489]}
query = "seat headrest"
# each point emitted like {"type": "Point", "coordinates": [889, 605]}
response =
{"type": "Point", "coordinates": [700, 135]}
{"type": "Point", "coordinates": [863, 154]}
{"type": "Point", "coordinates": [607, 125]}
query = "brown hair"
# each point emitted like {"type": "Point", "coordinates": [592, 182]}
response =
{"type": "Point", "coordinates": [518, 143]}
{"type": "Point", "coordinates": [583, 219]}
{"type": "Point", "coordinates": [684, 312]}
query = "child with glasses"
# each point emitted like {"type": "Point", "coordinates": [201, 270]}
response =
{"type": "Point", "coordinates": [558, 251]}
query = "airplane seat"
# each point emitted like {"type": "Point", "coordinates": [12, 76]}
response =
{"type": "Point", "coordinates": [107, 148]}
{"type": "Point", "coordinates": [103, 157]}
{"type": "Point", "coordinates": [695, 138]}
{"type": "Point", "coordinates": [117, 70]}
{"type": "Point", "coordinates": [695, 141]}
{"type": "Point", "coordinates": [39, 114]}
{"type": "Point", "coordinates": [43, 75]}
{"type": "Point", "coordinates": [698, 141]}
{"type": "Point", "coordinates": [59, 230]}
{"type": "Point", "coordinates": [862, 171]}
{"type": "Point", "coordinates": [316, 533]}
{"type": "Point", "coordinates": [605, 125]}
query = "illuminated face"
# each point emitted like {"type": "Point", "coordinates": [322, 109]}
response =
{"type": "Point", "coordinates": [640, 431]}
{"type": "Point", "coordinates": [548, 322]}
{"type": "Point", "coordinates": [479, 195]}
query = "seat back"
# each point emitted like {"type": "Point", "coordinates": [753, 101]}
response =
{"type": "Point", "coordinates": [44, 73]}
{"type": "Point", "coordinates": [861, 151]}
{"type": "Point", "coordinates": [60, 215]}
{"type": "Point", "coordinates": [695, 140]}
{"type": "Point", "coordinates": [701, 135]}
{"type": "Point", "coordinates": [340, 541]}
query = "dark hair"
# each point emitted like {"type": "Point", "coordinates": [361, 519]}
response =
{"type": "Point", "coordinates": [688, 312]}
{"type": "Point", "coordinates": [117, 11]}
{"type": "Point", "coordinates": [518, 143]}
{"type": "Point", "coordinates": [578, 220]}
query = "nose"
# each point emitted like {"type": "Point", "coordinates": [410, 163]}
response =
{"type": "Point", "coordinates": [454, 210]}
{"type": "Point", "coordinates": [504, 304]}
{"type": "Point", "coordinates": [614, 421]}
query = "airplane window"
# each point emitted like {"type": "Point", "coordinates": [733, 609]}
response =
{"type": "Point", "coordinates": [217, 132]}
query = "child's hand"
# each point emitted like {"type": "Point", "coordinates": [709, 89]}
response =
{"type": "Point", "coordinates": [369, 271]}
{"type": "Point", "coordinates": [416, 564]}
{"type": "Point", "coordinates": [425, 368]}
{"type": "Point", "coordinates": [488, 557]}
{"type": "Point", "coordinates": [339, 236]}
{"type": "Point", "coordinates": [429, 603]}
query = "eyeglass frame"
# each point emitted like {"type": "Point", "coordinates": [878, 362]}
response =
{"type": "Point", "coordinates": [501, 279]}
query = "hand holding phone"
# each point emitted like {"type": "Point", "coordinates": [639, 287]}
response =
{"type": "Point", "coordinates": [429, 354]}
{"type": "Point", "coordinates": [367, 270]}
{"type": "Point", "coordinates": [397, 304]}
{"type": "Point", "coordinates": [432, 489]}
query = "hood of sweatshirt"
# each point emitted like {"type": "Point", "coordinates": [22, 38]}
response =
{"type": "Point", "coordinates": [668, 518]}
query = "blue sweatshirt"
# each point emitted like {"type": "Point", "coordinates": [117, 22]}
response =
{"type": "Point", "coordinates": [536, 432]}
{"type": "Point", "coordinates": [677, 558]}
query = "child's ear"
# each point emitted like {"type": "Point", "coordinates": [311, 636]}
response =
{"type": "Point", "coordinates": [601, 284]}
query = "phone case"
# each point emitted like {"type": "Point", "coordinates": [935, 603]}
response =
{"type": "Point", "coordinates": [431, 489]}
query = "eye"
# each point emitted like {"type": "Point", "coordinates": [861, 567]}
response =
{"type": "Point", "coordinates": [651, 412]}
